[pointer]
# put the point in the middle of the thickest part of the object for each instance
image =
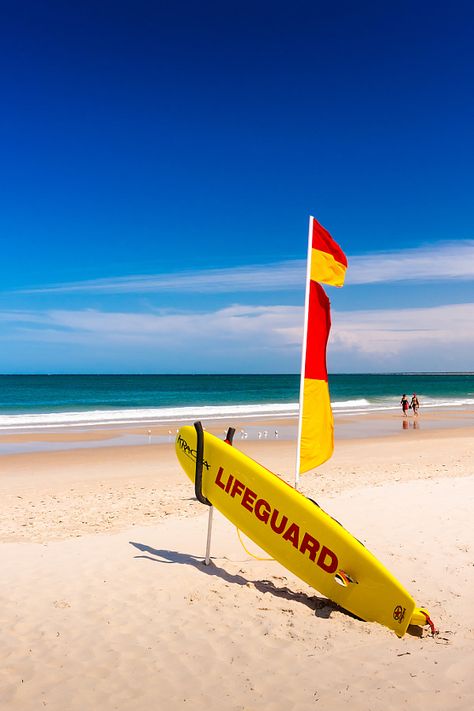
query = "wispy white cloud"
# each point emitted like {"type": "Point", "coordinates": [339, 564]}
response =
{"type": "Point", "coordinates": [440, 261]}
{"type": "Point", "coordinates": [393, 331]}
{"type": "Point", "coordinates": [267, 324]}
{"type": "Point", "coordinates": [437, 338]}
{"type": "Point", "coordinates": [279, 276]}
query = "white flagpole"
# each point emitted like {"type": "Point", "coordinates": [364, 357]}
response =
{"type": "Point", "coordinates": [207, 559]}
{"type": "Point", "coordinates": [303, 351]}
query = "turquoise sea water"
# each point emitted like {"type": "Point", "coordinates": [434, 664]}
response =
{"type": "Point", "coordinates": [39, 401]}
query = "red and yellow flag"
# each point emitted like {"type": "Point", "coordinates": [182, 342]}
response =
{"type": "Point", "coordinates": [316, 427]}
{"type": "Point", "coordinates": [328, 261]}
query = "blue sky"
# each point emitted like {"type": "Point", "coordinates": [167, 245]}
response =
{"type": "Point", "coordinates": [160, 161]}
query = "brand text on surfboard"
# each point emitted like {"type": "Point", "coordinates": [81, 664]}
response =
{"type": "Point", "coordinates": [189, 452]}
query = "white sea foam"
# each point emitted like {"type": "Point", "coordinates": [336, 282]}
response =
{"type": "Point", "coordinates": [354, 404]}
{"type": "Point", "coordinates": [150, 416]}
{"type": "Point", "coordinates": [454, 402]}
{"type": "Point", "coordinates": [142, 416]}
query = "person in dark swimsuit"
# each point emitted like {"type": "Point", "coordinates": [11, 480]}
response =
{"type": "Point", "coordinates": [404, 404]}
{"type": "Point", "coordinates": [414, 404]}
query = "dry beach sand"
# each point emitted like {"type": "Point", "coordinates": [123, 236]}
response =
{"type": "Point", "coordinates": [105, 602]}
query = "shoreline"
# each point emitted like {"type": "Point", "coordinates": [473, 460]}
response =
{"type": "Point", "coordinates": [347, 427]}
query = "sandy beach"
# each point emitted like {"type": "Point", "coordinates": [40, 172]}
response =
{"type": "Point", "coordinates": [106, 602]}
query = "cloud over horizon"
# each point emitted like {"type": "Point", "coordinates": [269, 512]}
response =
{"type": "Point", "coordinates": [430, 339]}
{"type": "Point", "coordinates": [439, 261]}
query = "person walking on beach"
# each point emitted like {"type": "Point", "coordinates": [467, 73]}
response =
{"type": "Point", "coordinates": [415, 404]}
{"type": "Point", "coordinates": [404, 404]}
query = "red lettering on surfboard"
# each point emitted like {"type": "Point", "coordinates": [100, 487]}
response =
{"type": "Point", "coordinates": [322, 556]}
{"type": "Point", "coordinates": [219, 481]}
{"type": "Point", "coordinates": [309, 543]}
{"type": "Point", "coordinates": [262, 510]}
{"type": "Point", "coordinates": [292, 534]}
{"type": "Point", "coordinates": [237, 488]}
{"type": "Point", "coordinates": [327, 560]}
{"type": "Point", "coordinates": [248, 498]}
{"type": "Point", "coordinates": [278, 527]}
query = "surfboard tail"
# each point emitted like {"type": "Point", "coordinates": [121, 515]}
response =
{"type": "Point", "coordinates": [421, 617]}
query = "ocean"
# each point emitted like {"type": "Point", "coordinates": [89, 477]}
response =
{"type": "Point", "coordinates": [30, 402]}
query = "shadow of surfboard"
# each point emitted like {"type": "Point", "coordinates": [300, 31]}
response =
{"type": "Point", "coordinates": [321, 606]}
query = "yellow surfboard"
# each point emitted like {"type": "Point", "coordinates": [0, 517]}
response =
{"type": "Point", "coordinates": [297, 532]}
